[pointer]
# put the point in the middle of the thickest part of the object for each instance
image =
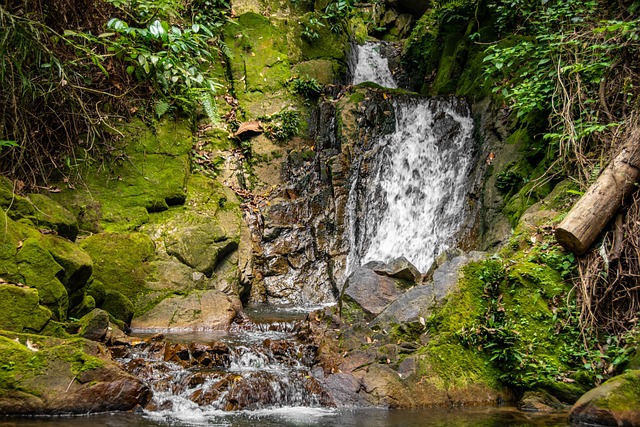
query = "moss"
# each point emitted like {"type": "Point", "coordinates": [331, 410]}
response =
{"type": "Point", "coordinates": [39, 270]}
{"type": "Point", "coordinates": [20, 309]}
{"type": "Point", "coordinates": [118, 305]}
{"type": "Point", "coordinates": [76, 264]}
{"type": "Point", "coordinates": [325, 71]}
{"type": "Point", "coordinates": [97, 290]}
{"type": "Point", "coordinates": [121, 261]}
{"type": "Point", "coordinates": [260, 61]}
{"type": "Point", "coordinates": [148, 173]}
{"type": "Point", "coordinates": [623, 393]}
{"type": "Point", "coordinates": [17, 364]}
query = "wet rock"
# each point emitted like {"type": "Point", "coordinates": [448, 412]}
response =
{"type": "Point", "coordinates": [370, 291]}
{"type": "Point", "coordinates": [198, 310]}
{"type": "Point", "coordinates": [539, 401]}
{"type": "Point", "coordinates": [95, 325]}
{"type": "Point", "coordinates": [614, 403]}
{"type": "Point", "coordinates": [178, 353]}
{"type": "Point", "coordinates": [399, 268]}
{"type": "Point", "coordinates": [344, 390]}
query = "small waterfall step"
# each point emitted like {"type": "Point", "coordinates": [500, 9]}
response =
{"type": "Point", "coordinates": [262, 363]}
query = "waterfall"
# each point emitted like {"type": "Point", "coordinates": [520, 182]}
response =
{"type": "Point", "coordinates": [408, 193]}
{"type": "Point", "coordinates": [366, 64]}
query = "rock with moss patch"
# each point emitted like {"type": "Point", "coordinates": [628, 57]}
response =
{"type": "Point", "coordinates": [50, 376]}
{"type": "Point", "coordinates": [614, 403]}
{"type": "Point", "coordinates": [198, 310]}
{"type": "Point", "coordinates": [370, 291]}
{"type": "Point", "coordinates": [51, 215]}
{"type": "Point", "coordinates": [118, 305]}
{"type": "Point", "coordinates": [76, 263]}
{"type": "Point", "coordinates": [539, 401]}
{"type": "Point", "coordinates": [20, 309]}
{"type": "Point", "coordinates": [95, 325]}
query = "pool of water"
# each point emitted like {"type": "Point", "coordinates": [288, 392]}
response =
{"type": "Point", "coordinates": [308, 417]}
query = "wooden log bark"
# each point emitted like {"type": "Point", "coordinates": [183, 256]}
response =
{"type": "Point", "coordinates": [588, 217]}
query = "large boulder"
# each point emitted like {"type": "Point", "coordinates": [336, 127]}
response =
{"type": "Point", "coordinates": [198, 310]}
{"type": "Point", "coordinates": [614, 403]}
{"type": "Point", "coordinates": [50, 376]}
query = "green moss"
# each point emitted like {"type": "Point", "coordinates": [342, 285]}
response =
{"type": "Point", "coordinates": [18, 363]}
{"type": "Point", "coordinates": [118, 305]}
{"type": "Point", "coordinates": [623, 395]}
{"type": "Point", "coordinates": [121, 261]}
{"type": "Point", "coordinates": [76, 264]}
{"type": "Point", "coordinates": [39, 270]}
{"type": "Point", "coordinates": [20, 309]}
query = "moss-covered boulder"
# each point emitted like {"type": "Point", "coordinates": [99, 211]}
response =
{"type": "Point", "coordinates": [118, 305]}
{"type": "Point", "coordinates": [50, 376]}
{"type": "Point", "coordinates": [614, 403]}
{"type": "Point", "coordinates": [76, 264]}
{"type": "Point", "coordinates": [94, 325]}
{"type": "Point", "coordinates": [121, 261]}
{"type": "Point", "coordinates": [20, 309]}
{"type": "Point", "coordinates": [38, 269]}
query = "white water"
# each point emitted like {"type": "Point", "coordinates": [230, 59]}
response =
{"type": "Point", "coordinates": [371, 66]}
{"type": "Point", "coordinates": [410, 197]}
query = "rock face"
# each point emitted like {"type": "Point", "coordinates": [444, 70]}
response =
{"type": "Point", "coordinates": [614, 403]}
{"type": "Point", "coordinates": [50, 376]}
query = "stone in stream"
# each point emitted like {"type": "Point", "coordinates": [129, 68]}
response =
{"type": "Point", "coordinates": [614, 403]}
{"type": "Point", "coordinates": [370, 291]}
{"type": "Point", "coordinates": [399, 268]}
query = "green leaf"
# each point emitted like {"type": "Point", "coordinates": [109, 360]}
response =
{"type": "Point", "coordinates": [7, 143]}
{"type": "Point", "coordinates": [161, 108]}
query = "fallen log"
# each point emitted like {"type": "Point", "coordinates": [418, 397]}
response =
{"type": "Point", "coordinates": [588, 217]}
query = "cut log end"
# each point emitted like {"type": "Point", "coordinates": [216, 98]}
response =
{"type": "Point", "coordinates": [570, 242]}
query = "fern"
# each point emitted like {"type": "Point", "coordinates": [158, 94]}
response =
{"type": "Point", "coordinates": [210, 107]}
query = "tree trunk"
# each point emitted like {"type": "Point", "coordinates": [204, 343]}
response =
{"type": "Point", "coordinates": [584, 223]}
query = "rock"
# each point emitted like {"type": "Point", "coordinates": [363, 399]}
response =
{"type": "Point", "coordinates": [445, 278]}
{"type": "Point", "coordinates": [614, 403]}
{"type": "Point", "coordinates": [399, 268]}
{"type": "Point", "coordinates": [201, 246]}
{"type": "Point", "coordinates": [539, 401]}
{"type": "Point", "coordinates": [176, 276]}
{"type": "Point", "coordinates": [51, 215]}
{"type": "Point", "coordinates": [76, 263]}
{"type": "Point", "coordinates": [51, 376]}
{"type": "Point", "coordinates": [409, 307]}
{"type": "Point", "coordinates": [370, 291]}
{"type": "Point", "coordinates": [343, 389]}
{"type": "Point", "coordinates": [20, 310]}
{"type": "Point", "coordinates": [197, 311]}
{"type": "Point", "coordinates": [121, 261]}
{"type": "Point", "coordinates": [95, 325]}
{"type": "Point", "coordinates": [118, 305]}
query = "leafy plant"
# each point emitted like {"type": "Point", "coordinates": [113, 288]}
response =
{"type": "Point", "coordinates": [307, 87]}
{"type": "Point", "coordinates": [282, 125]}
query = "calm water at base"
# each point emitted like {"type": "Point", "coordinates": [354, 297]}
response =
{"type": "Point", "coordinates": [309, 417]}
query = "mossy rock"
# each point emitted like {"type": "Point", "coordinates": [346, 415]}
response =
{"type": "Point", "coordinates": [76, 263]}
{"type": "Point", "coordinates": [39, 209]}
{"type": "Point", "coordinates": [38, 269]}
{"type": "Point", "coordinates": [260, 55]}
{"type": "Point", "coordinates": [50, 376]}
{"type": "Point", "coordinates": [97, 290]}
{"type": "Point", "coordinates": [118, 305]}
{"type": "Point", "coordinates": [20, 309]}
{"type": "Point", "coordinates": [149, 174]}
{"type": "Point", "coordinates": [121, 261]}
{"type": "Point", "coordinates": [325, 71]}
{"type": "Point", "coordinates": [87, 304]}
{"type": "Point", "coordinates": [616, 402]}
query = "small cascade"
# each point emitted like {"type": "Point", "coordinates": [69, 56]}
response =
{"type": "Point", "coordinates": [366, 64]}
{"type": "Point", "coordinates": [408, 193]}
{"type": "Point", "coordinates": [256, 366]}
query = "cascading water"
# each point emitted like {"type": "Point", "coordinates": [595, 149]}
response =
{"type": "Point", "coordinates": [368, 65]}
{"type": "Point", "coordinates": [408, 193]}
